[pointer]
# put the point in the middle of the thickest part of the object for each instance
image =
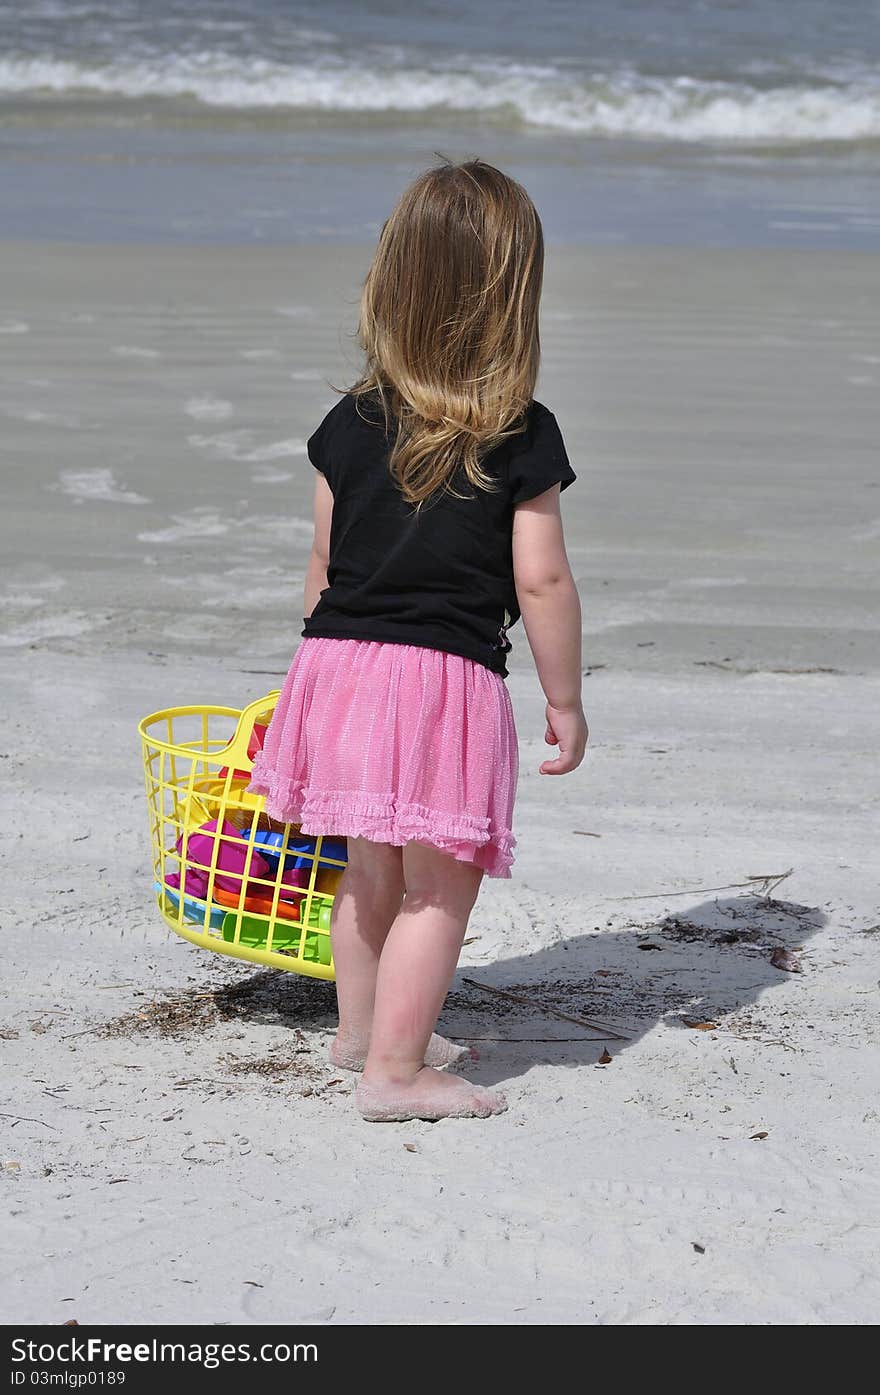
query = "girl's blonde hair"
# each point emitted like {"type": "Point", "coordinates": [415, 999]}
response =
{"type": "Point", "coordinates": [449, 323]}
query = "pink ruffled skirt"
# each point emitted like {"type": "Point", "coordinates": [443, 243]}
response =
{"type": "Point", "coordinates": [394, 743]}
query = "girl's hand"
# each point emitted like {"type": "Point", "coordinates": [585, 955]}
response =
{"type": "Point", "coordinates": [566, 728]}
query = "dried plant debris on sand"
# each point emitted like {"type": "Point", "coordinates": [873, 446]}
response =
{"type": "Point", "coordinates": [272, 1067]}
{"type": "Point", "coordinates": [616, 994]}
{"type": "Point", "coordinates": [748, 921]}
{"type": "Point", "coordinates": [270, 998]}
{"type": "Point", "coordinates": [707, 976]}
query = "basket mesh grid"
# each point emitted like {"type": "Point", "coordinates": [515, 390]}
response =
{"type": "Point", "coordinates": [228, 877]}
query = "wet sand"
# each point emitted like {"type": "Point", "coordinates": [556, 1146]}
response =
{"type": "Point", "coordinates": [181, 1139]}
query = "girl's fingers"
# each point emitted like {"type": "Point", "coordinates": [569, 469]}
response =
{"type": "Point", "coordinates": [550, 736]}
{"type": "Point", "coordinates": [559, 766]}
{"type": "Point", "coordinates": [563, 763]}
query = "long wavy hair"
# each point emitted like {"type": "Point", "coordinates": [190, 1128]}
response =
{"type": "Point", "coordinates": [449, 324]}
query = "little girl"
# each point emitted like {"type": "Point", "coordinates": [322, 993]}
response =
{"type": "Point", "coordinates": [437, 525]}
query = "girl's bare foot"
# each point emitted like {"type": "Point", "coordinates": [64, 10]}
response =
{"type": "Point", "coordinates": [440, 1052]}
{"type": "Point", "coordinates": [432, 1094]}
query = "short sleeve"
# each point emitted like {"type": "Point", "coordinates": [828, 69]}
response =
{"type": "Point", "coordinates": [329, 445]}
{"type": "Point", "coordinates": [538, 457]}
{"type": "Point", "coordinates": [316, 446]}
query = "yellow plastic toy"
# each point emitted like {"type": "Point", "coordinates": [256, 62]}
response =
{"type": "Point", "coordinates": [194, 759]}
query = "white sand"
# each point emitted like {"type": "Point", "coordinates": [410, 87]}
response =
{"type": "Point", "coordinates": [721, 411]}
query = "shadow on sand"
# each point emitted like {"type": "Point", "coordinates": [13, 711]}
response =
{"type": "Point", "coordinates": [708, 963]}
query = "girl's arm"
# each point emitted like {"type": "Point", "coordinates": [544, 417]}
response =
{"type": "Point", "coordinates": [551, 612]}
{"type": "Point", "coordinates": [316, 572]}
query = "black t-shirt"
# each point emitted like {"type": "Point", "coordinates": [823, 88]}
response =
{"type": "Point", "coordinates": [440, 576]}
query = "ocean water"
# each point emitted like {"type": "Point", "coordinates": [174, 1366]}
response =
{"type": "Point", "coordinates": [713, 122]}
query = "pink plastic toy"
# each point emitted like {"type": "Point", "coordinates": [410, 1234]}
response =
{"type": "Point", "coordinates": [294, 876]}
{"type": "Point", "coordinates": [232, 854]}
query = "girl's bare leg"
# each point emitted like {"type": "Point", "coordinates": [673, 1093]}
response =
{"type": "Point", "coordinates": [416, 967]}
{"type": "Point", "coordinates": [367, 900]}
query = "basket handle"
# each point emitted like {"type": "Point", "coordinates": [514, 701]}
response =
{"type": "Point", "coordinates": [235, 754]}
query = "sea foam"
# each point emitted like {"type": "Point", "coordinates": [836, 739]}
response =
{"type": "Point", "coordinates": [88, 486]}
{"type": "Point", "coordinates": [620, 103]}
{"type": "Point", "coordinates": [208, 408]}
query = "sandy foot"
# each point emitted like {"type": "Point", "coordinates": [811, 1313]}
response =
{"type": "Point", "coordinates": [432, 1095]}
{"type": "Point", "coordinates": [440, 1053]}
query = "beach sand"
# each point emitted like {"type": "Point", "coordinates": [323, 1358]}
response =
{"type": "Point", "coordinates": [175, 1146]}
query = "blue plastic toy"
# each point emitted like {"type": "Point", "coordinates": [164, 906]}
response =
{"type": "Point", "coordinates": [192, 909]}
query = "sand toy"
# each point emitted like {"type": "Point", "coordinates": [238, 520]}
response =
{"type": "Point", "coordinates": [193, 909]}
{"type": "Point", "coordinates": [223, 849]}
{"type": "Point", "coordinates": [244, 894]}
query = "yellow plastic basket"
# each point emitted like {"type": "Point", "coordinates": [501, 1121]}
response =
{"type": "Point", "coordinates": [227, 877]}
